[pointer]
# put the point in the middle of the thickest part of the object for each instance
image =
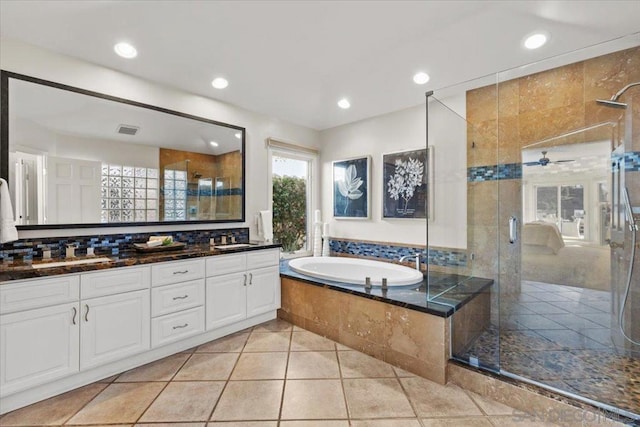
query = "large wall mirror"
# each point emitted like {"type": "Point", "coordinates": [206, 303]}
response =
{"type": "Point", "coordinates": [75, 158]}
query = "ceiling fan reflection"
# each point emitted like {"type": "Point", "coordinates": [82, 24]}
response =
{"type": "Point", "coordinates": [544, 161]}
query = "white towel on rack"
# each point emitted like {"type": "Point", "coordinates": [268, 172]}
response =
{"type": "Point", "coordinates": [265, 226]}
{"type": "Point", "coordinates": [8, 231]}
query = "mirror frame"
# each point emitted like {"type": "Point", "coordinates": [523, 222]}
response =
{"type": "Point", "coordinates": [4, 148]}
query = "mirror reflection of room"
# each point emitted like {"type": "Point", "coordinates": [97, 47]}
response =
{"type": "Point", "coordinates": [80, 159]}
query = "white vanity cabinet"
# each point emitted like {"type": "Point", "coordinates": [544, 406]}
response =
{"type": "Point", "coordinates": [241, 286]}
{"type": "Point", "coordinates": [114, 315]}
{"type": "Point", "coordinates": [177, 301]}
{"type": "Point", "coordinates": [38, 317]}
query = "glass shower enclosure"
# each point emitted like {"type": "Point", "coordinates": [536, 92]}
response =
{"type": "Point", "coordinates": [551, 178]}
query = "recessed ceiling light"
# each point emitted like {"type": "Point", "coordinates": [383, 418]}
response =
{"type": "Point", "coordinates": [344, 103]}
{"type": "Point", "coordinates": [213, 143]}
{"type": "Point", "coordinates": [535, 41]}
{"type": "Point", "coordinates": [421, 78]}
{"type": "Point", "coordinates": [219, 83]}
{"type": "Point", "coordinates": [238, 135]}
{"type": "Point", "coordinates": [125, 50]}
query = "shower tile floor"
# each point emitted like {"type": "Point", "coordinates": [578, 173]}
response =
{"type": "Point", "coordinates": [271, 375]}
{"type": "Point", "coordinates": [561, 336]}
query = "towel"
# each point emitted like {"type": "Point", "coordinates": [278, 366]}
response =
{"type": "Point", "coordinates": [8, 231]}
{"type": "Point", "coordinates": [265, 226]}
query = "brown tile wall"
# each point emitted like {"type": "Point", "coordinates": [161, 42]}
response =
{"type": "Point", "coordinates": [505, 117]}
{"type": "Point", "coordinates": [414, 341]}
{"type": "Point", "coordinates": [469, 322]}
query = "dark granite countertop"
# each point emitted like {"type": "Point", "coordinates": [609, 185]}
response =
{"type": "Point", "coordinates": [445, 294]}
{"type": "Point", "coordinates": [19, 270]}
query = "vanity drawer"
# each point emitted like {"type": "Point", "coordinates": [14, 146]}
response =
{"type": "Point", "coordinates": [177, 326]}
{"type": "Point", "coordinates": [225, 264]}
{"type": "Point", "coordinates": [28, 294]}
{"type": "Point", "coordinates": [172, 298]}
{"type": "Point", "coordinates": [167, 273]}
{"type": "Point", "coordinates": [115, 281]}
{"type": "Point", "coordinates": [266, 258]}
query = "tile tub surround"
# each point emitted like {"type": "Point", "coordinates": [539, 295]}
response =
{"type": "Point", "coordinates": [110, 244]}
{"type": "Point", "coordinates": [386, 251]}
{"type": "Point", "coordinates": [412, 340]}
{"type": "Point", "coordinates": [274, 386]}
{"type": "Point", "coordinates": [19, 269]}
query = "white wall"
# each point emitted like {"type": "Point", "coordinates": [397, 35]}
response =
{"type": "Point", "coordinates": [26, 59]}
{"type": "Point", "coordinates": [400, 131]}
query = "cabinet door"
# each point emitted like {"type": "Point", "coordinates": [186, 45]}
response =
{"type": "Point", "coordinates": [226, 299]}
{"type": "Point", "coordinates": [114, 327]}
{"type": "Point", "coordinates": [263, 291]}
{"type": "Point", "coordinates": [38, 346]}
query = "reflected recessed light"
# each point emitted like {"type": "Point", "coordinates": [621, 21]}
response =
{"type": "Point", "coordinates": [535, 41]}
{"type": "Point", "coordinates": [213, 143]}
{"type": "Point", "coordinates": [421, 78]}
{"type": "Point", "coordinates": [125, 50]}
{"type": "Point", "coordinates": [219, 83]}
{"type": "Point", "coordinates": [238, 135]}
{"type": "Point", "coordinates": [344, 103]}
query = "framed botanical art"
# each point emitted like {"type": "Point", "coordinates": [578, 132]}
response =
{"type": "Point", "coordinates": [351, 182]}
{"type": "Point", "coordinates": [407, 184]}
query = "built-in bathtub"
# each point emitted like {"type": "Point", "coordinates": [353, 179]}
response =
{"type": "Point", "coordinates": [355, 271]}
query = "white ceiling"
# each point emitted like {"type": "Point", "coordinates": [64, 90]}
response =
{"type": "Point", "coordinates": [294, 60]}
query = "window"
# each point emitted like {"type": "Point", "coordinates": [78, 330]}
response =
{"type": "Point", "coordinates": [293, 189]}
{"type": "Point", "coordinates": [563, 205]}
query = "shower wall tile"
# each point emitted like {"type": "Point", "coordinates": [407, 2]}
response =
{"type": "Point", "coordinates": [537, 125]}
{"type": "Point", "coordinates": [551, 89]}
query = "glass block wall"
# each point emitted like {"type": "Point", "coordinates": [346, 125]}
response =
{"type": "Point", "coordinates": [175, 195]}
{"type": "Point", "coordinates": [129, 194]}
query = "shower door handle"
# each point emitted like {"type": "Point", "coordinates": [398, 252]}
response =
{"type": "Point", "coordinates": [513, 229]}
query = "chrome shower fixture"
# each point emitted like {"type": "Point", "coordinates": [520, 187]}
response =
{"type": "Point", "coordinates": [613, 102]}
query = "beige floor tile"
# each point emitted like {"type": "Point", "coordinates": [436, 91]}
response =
{"type": "Point", "coordinates": [491, 407]}
{"type": "Point", "coordinates": [275, 325]}
{"type": "Point", "coordinates": [118, 403]}
{"type": "Point", "coordinates": [261, 366]}
{"type": "Point", "coordinates": [457, 422]}
{"type": "Point", "coordinates": [402, 373]}
{"type": "Point", "coordinates": [244, 424]}
{"type": "Point", "coordinates": [376, 398]}
{"type": "Point", "coordinates": [184, 401]}
{"type": "Point", "coordinates": [110, 379]}
{"type": "Point", "coordinates": [341, 347]}
{"type": "Point", "coordinates": [406, 422]}
{"type": "Point", "coordinates": [272, 341]}
{"type": "Point", "coordinates": [358, 365]}
{"type": "Point", "coordinates": [170, 425]}
{"type": "Point", "coordinates": [249, 400]}
{"type": "Point", "coordinates": [313, 364]}
{"type": "Point", "coordinates": [160, 370]}
{"type": "Point", "coordinates": [507, 421]}
{"type": "Point", "coordinates": [313, 399]}
{"type": "Point", "coordinates": [232, 343]}
{"type": "Point", "coordinates": [308, 341]}
{"type": "Point", "coordinates": [435, 400]}
{"type": "Point", "coordinates": [53, 411]}
{"type": "Point", "coordinates": [315, 423]}
{"type": "Point", "coordinates": [207, 367]}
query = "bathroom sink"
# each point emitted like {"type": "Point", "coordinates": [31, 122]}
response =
{"type": "Point", "coordinates": [233, 246]}
{"type": "Point", "coordinates": [73, 262]}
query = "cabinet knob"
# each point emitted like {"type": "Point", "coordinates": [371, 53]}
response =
{"type": "Point", "coordinates": [181, 326]}
{"type": "Point", "coordinates": [251, 278]}
{"type": "Point", "coordinates": [245, 280]}
{"type": "Point", "coordinates": [182, 297]}
{"type": "Point", "coordinates": [75, 314]}
{"type": "Point", "coordinates": [181, 272]}
{"type": "Point", "coordinates": [86, 314]}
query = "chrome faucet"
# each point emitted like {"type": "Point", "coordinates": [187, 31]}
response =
{"type": "Point", "coordinates": [417, 256]}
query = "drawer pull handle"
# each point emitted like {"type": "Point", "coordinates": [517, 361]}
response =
{"type": "Point", "coordinates": [245, 280]}
{"type": "Point", "coordinates": [75, 314]}
{"type": "Point", "coordinates": [182, 297]}
{"type": "Point", "coordinates": [181, 326]}
{"type": "Point", "coordinates": [181, 272]}
{"type": "Point", "coordinates": [86, 314]}
{"type": "Point", "coordinates": [251, 278]}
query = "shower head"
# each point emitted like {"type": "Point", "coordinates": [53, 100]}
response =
{"type": "Point", "coordinates": [613, 102]}
{"type": "Point", "coordinates": [610, 103]}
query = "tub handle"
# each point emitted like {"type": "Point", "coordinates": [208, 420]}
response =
{"type": "Point", "coordinates": [513, 229]}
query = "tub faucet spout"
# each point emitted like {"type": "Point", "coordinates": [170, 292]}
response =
{"type": "Point", "coordinates": [417, 257]}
